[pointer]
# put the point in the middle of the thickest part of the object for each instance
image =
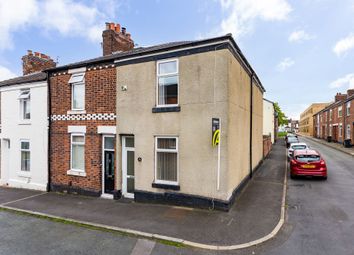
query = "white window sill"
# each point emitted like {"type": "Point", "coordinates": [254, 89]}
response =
{"type": "Point", "coordinates": [23, 122]}
{"type": "Point", "coordinates": [73, 112]}
{"type": "Point", "coordinates": [26, 174]}
{"type": "Point", "coordinates": [76, 172]}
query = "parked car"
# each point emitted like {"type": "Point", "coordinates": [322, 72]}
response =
{"type": "Point", "coordinates": [296, 146]}
{"type": "Point", "coordinates": [307, 163]}
{"type": "Point", "coordinates": [290, 140]}
{"type": "Point", "coordinates": [289, 135]}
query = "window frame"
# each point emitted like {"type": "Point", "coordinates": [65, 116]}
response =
{"type": "Point", "coordinates": [71, 151]}
{"type": "Point", "coordinates": [166, 75]}
{"type": "Point", "coordinates": [340, 110]}
{"type": "Point", "coordinates": [348, 132]}
{"type": "Point", "coordinates": [80, 83]}
{"type": "Point", "coordinates": [347, 108]}
{"type": "Point", "coordinates": [175, 183]}
{"type": "Point", "coordinates": [340, 131]}
{"type": "Point", "coordinates": [22, 104]}
{"type": "Point", "coordinates": [25, 150]}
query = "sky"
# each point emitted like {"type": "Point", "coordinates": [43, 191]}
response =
{"type": "Point", "coordinates": [302, 50]}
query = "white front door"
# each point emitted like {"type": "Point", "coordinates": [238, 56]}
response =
{"type": "Point", "coordinates": [128, 160]}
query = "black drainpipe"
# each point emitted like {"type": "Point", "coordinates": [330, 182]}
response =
{"type": "Point", "coordinates": [49, 125]}
{"type": "Point", "coordinates": [251, 124]}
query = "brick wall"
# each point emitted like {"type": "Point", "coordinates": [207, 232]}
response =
{"type": "Point", "coordinates": [100, 97]}
{"type": "Point", "coordinates": [267, 145]}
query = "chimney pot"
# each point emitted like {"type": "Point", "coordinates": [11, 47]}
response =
{"type": "Point", "coordinates": [124, 30]}
{"type": "Point", "coordinates": [107, 25]}
{"type": "Point", "coordinates": [29, 53]}
{"type": "Point", "coordinates": [117, 28]}
{"type": "Point", "coordinates": [36, 64]}
{"type": "Point", "coordinates": [111, 26]}
{"type": "Point", "coordinates": [128, 35]}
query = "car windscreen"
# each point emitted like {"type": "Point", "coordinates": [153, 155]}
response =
{"type": "Point", "coordinates": [298, 147]}
{"type": "Point", "coordinates": [308, 158]}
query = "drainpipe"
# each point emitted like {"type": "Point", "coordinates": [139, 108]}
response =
{"type": "Point", "coordinates": [251, 123]}
{"type": "Point", "coordinates": [49, 125]}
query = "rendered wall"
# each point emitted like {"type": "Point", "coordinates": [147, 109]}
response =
{"type": "Point", "coordinates": [268, 119]}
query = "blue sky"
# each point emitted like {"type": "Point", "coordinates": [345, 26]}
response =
{"type": "Point", "coordinates": [302, 50]}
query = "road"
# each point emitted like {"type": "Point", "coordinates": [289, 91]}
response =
{"type": "Point", "coordinates": [320, 220]}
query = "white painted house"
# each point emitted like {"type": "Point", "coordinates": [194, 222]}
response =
{"type": "Point", "coordinates": [268, 118]}
{"type": "Point", "coordinates": [24, 132]}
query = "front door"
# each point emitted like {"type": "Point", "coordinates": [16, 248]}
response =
{"type": "Point", "coordinates": [108, 164]}
{"type": "Point", "coordinates": [128, 160]}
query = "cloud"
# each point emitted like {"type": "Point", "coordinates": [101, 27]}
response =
{"type": "Point", "coordinates": [344, 45]}
{"type": "Point", "coordinates": [67, 17]}
{"type": "Point", "coordinates": [300, 36]}
{"type": "Point", "coordinates": [285, 64]}
{"type": "Point", "coordinates": [6, 74]}
{"type": "Point", "coordinates": [347, 80]}
{"type": "Point", "coordinates": [241, 14]}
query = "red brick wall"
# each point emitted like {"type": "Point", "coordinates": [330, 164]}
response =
{"type": "Point", "coordinates": [100, 97]}
{"type": "Point", "coordinates": [267, 145]}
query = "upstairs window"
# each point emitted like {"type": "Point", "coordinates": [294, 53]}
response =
{"type": "Point", "coordinates": [25, 156]}
{"type": "Point", "coordinates": [77, 82]}
{"type": "Point", "coordinates": [340, 111]}
{"type": "Point", "coordinates": [348, 108]}
{"type": "Point", "coordinates": [330, 114]}
{"type": "Point", "coordinates": [167, 83]}
{"type": "Point", "coordinates": [25, 105]}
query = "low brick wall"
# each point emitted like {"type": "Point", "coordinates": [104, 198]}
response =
{"type": "Point", "coordinates": [267, 145]}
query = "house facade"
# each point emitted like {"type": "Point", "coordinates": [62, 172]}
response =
{"type": "Point", "coordinates": [83, 121]}
{"type": "Point", "coordinates": [335, 122]}
{"type": "Point", "coordinates": [24, 126]}
{"type": "Point", "coordinates": [170, 99]}
{"type": "Point", "coordinates": [306, 118]}
{"type": "Point", "coordinates": [269, 119]}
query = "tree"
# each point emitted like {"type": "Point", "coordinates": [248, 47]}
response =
{"type": "Point", "coordinates": [282, 120]}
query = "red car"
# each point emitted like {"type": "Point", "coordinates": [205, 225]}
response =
{"type": "Point", "coordinates": [308, 163]}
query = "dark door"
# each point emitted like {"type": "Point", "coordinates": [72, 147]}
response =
{"type": "Point", "coordinates": [108, 172]}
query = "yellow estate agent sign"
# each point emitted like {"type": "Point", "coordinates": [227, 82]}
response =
{"type": "Point", "coordinates": [215, 131]}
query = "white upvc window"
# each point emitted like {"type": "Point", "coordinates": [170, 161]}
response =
{"type": "Point", "coordinates": [167, 83]}
{"type": "Point", "coordinates": [330, 130]}
{"type": "Point", "coordinates": [348, 135]}
{"type": "Point", "coordinates": [77, 162]}
{"type": "Point", "coordinates": [25, 104]}
{"type": "Point", "coordinates": [166, 160]}
{"type": "Point", "coordinates": [348, 108]}
{"type": "Point", "coordinates": [77, 82]}
{"type": "Point", "coordinates": [340, 111]}
{"type": "Point", "coordinates": [340, 130]}
{"type": "Point", "coordinates": [330, 114]}
{"type": "Point", "coordinates": [25, 155]}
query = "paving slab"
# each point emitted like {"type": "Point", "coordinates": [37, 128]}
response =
{"type": "Point", "coordinates": [11, 194]}
{"type": "Point", "coordinates": [255, 213]}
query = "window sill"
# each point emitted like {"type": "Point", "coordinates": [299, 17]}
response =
{"type": "Point", "coordinates": [25, 174]}
{"type": "Point", "coordinates": [73, 112]}
{"type": "Point", "coordinates": [165, 186]}
{"type": "Point", "coordinates": [166, 109]}
{"type": "Point", "coordinates": [24, 122]}
{"type": "Point", "coordinates": [76, 173]}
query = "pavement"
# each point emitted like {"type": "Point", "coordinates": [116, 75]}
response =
{"type": "Point", "coordinates": [255, 214]}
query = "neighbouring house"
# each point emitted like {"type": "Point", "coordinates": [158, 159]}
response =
{"type": "Point", "coordinates": [335, 122]}
{"type": "Point", "coordinates": [269, 119]}
{"type": "Point", "coordinates": [306, 118]}
{"type": "Point", "coordinates": [178, 123]}
{"type": "Point", "coordinates": [24, 125]}
{"type": "Point", "coordinates": [170, 99]}
{"type": "Point", "coordinates": [83, 120]}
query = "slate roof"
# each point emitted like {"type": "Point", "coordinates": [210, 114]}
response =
{"type": "Point", "coordinates": [34, 77]}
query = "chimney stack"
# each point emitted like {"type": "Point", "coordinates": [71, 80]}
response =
{"type": "Point", "coordinates": [116, 39]}
{"type": "Point", "coordinates": [350, 92]}
{"type": "Point", "coordinates": [36, 62]}
{"type": "Point", "coordinates": [340, 97]}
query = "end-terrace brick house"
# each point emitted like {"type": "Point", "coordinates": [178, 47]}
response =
{"type": "Point", "coordinates": [335, 122]}
{"type": "Point", "coordinates": [24, 121]}
{"type": "Point", "coordinates": [83, 120]}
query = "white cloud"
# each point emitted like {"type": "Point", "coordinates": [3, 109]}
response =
{"type": "Point", "coordinates": [285, 64]}
{"type": "Point", "coordinates": [66, 17]}
{"type": "Point", "coordinates": [243, 13]}
{"type": "Point", "coordinates": [300, 36]}
{"type": "Point", "coordinates": [347, 80]}
{"type": "Point", "coordinates": [5, 73]}
{"type": "Point", "coordinates": [344, 45]}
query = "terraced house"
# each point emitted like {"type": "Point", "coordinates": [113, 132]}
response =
{"type": "Point", "coordinates": [335, 122]}
{"type": "Point", "coordinates": [138, 122]}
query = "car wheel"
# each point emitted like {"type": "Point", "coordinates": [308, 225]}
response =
{"type": "Point", "coordinates": [292, 176]}
{"type": "Point", "coordinates": [324, 178]}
